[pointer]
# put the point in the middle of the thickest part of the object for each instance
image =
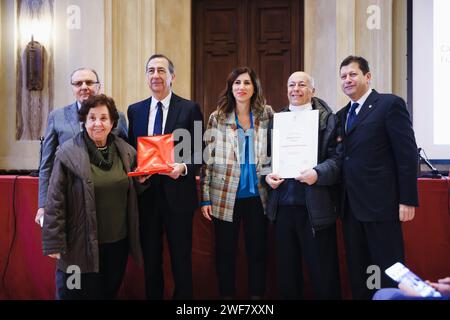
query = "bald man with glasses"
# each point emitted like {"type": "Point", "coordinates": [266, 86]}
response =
{"type": "Point", "coordinates": [63, 124]}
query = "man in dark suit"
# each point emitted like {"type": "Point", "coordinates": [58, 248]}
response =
{"type": "Point", "coordinates": [63, 124]}
{"type": "Point", "coordinates": [379, 176]}
{"type": "Point", "coordinates": [169, 203]}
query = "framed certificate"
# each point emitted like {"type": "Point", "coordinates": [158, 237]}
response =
{"type": "Point", "coordinates": [295, 142]}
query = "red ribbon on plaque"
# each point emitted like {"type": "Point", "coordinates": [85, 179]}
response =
{"type": "Point", "coordinates": [153, 155]}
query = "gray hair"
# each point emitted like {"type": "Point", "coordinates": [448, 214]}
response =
{"type": "Point", "coordinates": [83, 68]}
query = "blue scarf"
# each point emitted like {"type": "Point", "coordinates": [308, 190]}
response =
{"type": "Point", "coordinates": [248, 180]}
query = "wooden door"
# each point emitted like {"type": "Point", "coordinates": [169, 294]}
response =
{"type": "Point", "coordinates": [266, 35]}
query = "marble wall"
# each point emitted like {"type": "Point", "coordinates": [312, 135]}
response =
{"type": "Point", "coordinates": [116, 38]}
{"type": "Point", "coordinates": [375, 29]}
{"type": "Point", "coordinates": [129, 40]}
{"type": "Point", "coordinates": [72, 33]}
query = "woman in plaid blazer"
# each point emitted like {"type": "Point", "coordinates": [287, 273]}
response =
{"type": "Point", "coordinates": [231, 189]}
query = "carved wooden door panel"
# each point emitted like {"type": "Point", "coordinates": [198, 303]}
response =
{"type": "Point", "coordinates": [266, 35]}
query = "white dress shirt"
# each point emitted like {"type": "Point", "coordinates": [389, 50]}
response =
{"type": "Point", "coordinates": [303, 107]}
{"type": "Point", "coordinates": [361, 100]}
{"type": "Point", "coordinates": [152, 114]}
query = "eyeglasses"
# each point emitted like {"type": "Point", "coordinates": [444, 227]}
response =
{"type": "Point", "coordinates": [89, 83]}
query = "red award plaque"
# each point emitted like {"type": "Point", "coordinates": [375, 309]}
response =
{"type": "Point", "coordinates": [153, 155]}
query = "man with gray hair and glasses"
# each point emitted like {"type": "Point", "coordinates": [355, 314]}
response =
{"type": "Point", "coordinates": [63, 124]}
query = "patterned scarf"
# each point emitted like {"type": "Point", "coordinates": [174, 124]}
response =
{"type": "Point", "coordinates": [100, 157]}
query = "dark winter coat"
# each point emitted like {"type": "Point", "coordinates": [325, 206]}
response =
{"type": "Point", "coordinates": [321, 197]}
{"type": "Point", "coordinates": [70, 220]}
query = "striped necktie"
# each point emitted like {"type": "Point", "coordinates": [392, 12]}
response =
{"type": "Point", "coordinates": [157, 127]}
{"type": "Point", "coordinates": [352, 116]}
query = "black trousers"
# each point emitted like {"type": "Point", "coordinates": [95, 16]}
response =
{"type": "Point", "coordinates": [156, 217]}
{"type": "Point", "coordinates": [378, 244]}
{"type": "Point", "coordinates": [251, 212]}
{"type": "Point", "coordinates": [294, 240]}
{"type": "Point", "coordinates": [103, 285]}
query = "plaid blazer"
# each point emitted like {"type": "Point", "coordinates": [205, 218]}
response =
{"type": "Point", "coordinates": [221, 172]}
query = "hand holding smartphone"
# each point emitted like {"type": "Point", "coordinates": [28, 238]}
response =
{"type": "Point", "coordinates": [402, 274]}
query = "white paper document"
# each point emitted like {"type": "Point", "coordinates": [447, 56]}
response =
{"type": "Point", "coordinates": [295, 142]}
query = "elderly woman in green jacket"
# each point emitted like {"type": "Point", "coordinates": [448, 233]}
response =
{"type": "Point", "coordinates": [91, 215]}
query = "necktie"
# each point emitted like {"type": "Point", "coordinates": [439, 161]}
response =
{"type": "Point", "coordinates": [352, 116]}
{"type": "Point", "coordinates": [157, 127]}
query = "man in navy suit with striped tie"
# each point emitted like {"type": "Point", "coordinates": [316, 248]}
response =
{"type": "Point", "coordinates": [379, 176]}
{"type": "Point", "coordinates": [169, 203]}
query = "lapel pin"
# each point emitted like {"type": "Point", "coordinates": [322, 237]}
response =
{"type": "Point", "coordinates": [370, 106]}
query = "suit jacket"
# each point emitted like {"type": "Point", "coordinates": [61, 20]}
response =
{"type": "Point", "coordinates": [182, 114]}
{"type": "Point", "coordinates": [63, 125]}
{"type": "Point", "coordinates": [221, 173]}
{"type": "Point", "coordinates": [380, 158]}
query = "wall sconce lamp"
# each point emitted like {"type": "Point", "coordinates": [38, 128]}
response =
{"type": "Point", "coordinates": [34, 54]}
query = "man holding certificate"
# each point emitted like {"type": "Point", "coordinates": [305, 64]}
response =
{"type": "Point", "coordinates": [301, 200]}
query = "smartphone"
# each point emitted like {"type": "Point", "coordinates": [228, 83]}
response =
{"type": "Point", "coordinates": [401, 273]}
